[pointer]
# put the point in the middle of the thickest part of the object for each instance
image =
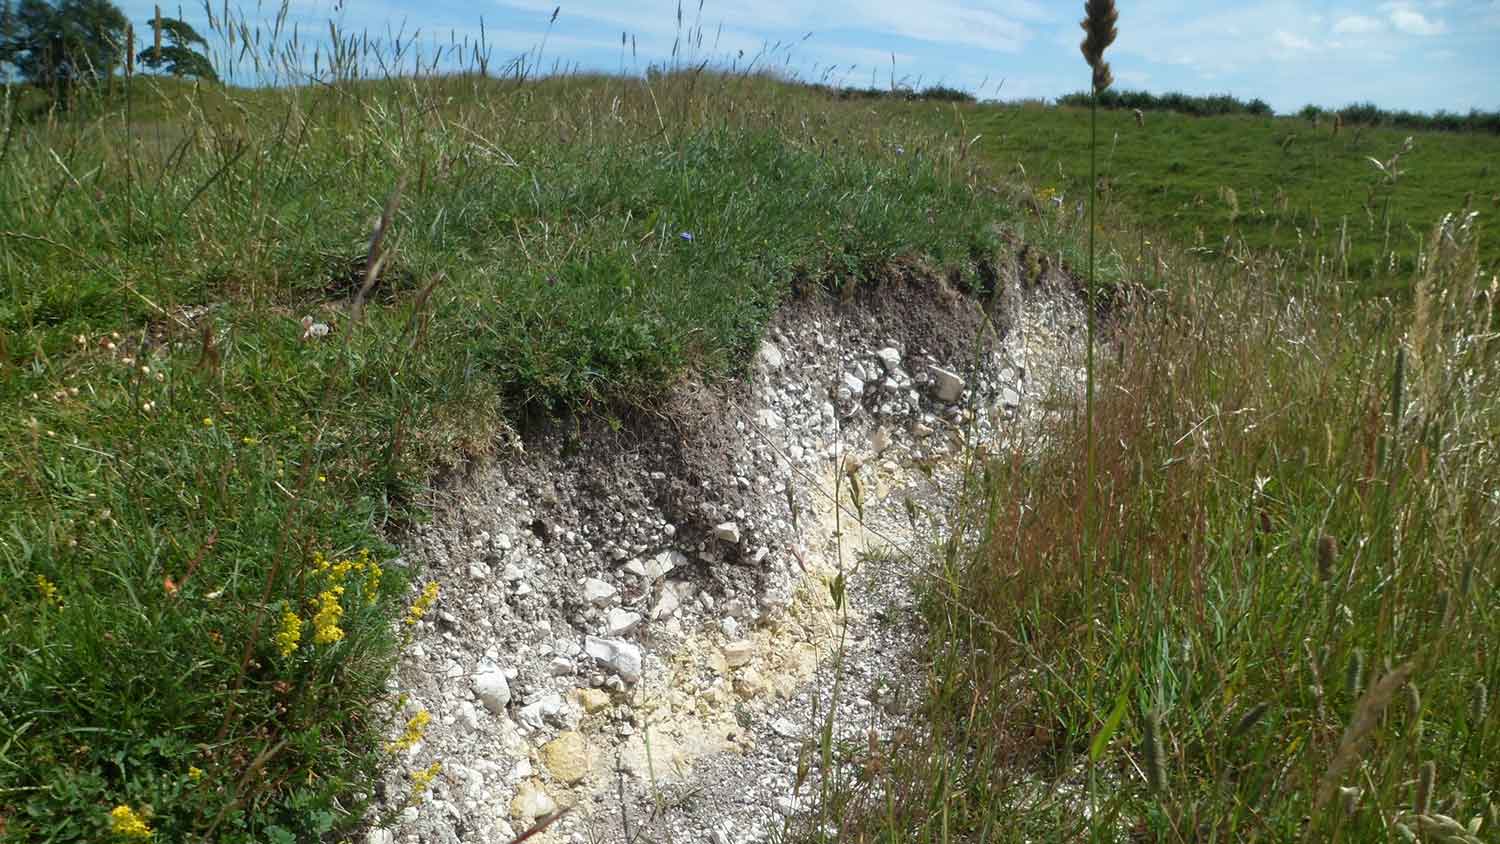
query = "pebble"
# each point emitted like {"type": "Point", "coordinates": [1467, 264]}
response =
{"type": "Point", "coordinates": [728, 532]}
{"type": "Point", "coordinates": [567, 757]}
{"type": "Point", "coordinates": [619, 622]}
{"type": "Point", "coordinates": [947, 386]}
{"type": "Point", "coordinates": [769, 419]}
{"type": "Point", "coordinates": [598, 592]}
{"type": "Point", "coordinates": [738, 653]}
{"type": "Point", "coordinates": [890, 358]}
{"type": "Point", "coordinates": [531, 802]}
{"type": "Point", "coordinates": [592, 700]}
{"type": "Point", "coordinates": [468, 717]}
{"type": "Point", "coordinates": [618, 655]}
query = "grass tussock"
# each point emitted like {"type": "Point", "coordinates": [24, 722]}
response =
{"type": "Point", "coordinates": [1279, 625]}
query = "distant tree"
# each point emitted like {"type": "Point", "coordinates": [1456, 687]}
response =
{"type": "Point", "coordinates": [7, 37]}
{"type": "Point", "coordinates": [176, 55]}
{"type": "Point", "coordinates": [59, 45]}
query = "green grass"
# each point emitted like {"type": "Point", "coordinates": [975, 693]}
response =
{"type": "Point", "coordinates": [1277, 627]}
{"type": "Point", "coordinates": [181, 455]}
{"type": "Point", "coordinates": [1298, 192]}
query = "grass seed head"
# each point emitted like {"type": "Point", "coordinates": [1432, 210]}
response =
{"type": "Point", "coordinates": [1349, 799]}
{"type": "Point", "coordinates": [1422, 802]}
{"type": "Point", "coordinates": [1099, 30]}
{"type": "Point", "coordinates": [1250, 719]}
{"type": "Point", "coordinates": [1354, 673]}
{"type": "Point", "coordinates": [1328, 553]}
{"type": "Point", "coordinates": [1156, 770]}
{"type": "Point", "coordinates": [1414, 710]}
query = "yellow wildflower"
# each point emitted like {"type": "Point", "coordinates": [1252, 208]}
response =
{"type": "Point", "coordinates": [195, 773]}
{"type": "Point", "coordinates": [415, 728]}
{"type": "Point", "coordinates": [326, 628]}
{"type": "Point", "coordinates": [421, 780]}
{"type": "Point", "coordinates": [419, 607]}
{"type": "Point", "coordinates": [48, 590]}
{"type": "Point", "coordinates": [126, 822]}
{"type": "Point", "coordinates": [208, 421]}
{"type": "Point", "coordinates": [372, 583]}
{"type": "Point", "coordinates": [289, 633]}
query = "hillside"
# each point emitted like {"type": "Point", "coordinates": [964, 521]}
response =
{"type": "Point", "coordinates": [257, 347]}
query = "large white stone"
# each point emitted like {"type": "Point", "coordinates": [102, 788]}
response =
{"type": "Point", "coordinates": [663, 563]}
{"type": "Point", "coordinates": [770, 355]}
{"type": "Point", "coordinates": [548, 709]}
{"type": "Point", "coordinates": [728, 531]}
{"type": "Point", "coordinates": [618, 655]}
{"type": "Point", "coordinates": [854, 384]}
{"type": "Point", "coordinates": [492, 689]}
{"type": "Point", "coordinates": [667, 604]}
{"type": "Point", "coordinates": [890, 358]}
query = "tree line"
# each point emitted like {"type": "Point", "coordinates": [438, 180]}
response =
{"type": "Point", "coordinates": [1356, 114]}
{"type": "Point", "coordinates": [57, 45]}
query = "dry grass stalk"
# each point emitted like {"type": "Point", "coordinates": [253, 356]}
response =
{"type": "Point", "coordinates": [1099, 29]}
{"type": "Point", "coordinates": [156, 29]}
{"type": "Point", "coordinates": [1366, 715]}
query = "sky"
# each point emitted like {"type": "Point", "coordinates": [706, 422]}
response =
{"type": "Point", "coordinates": [1422, 55]}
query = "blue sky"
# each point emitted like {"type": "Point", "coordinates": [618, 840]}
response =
{"type": "Point", "coordinates": [1414, 54]}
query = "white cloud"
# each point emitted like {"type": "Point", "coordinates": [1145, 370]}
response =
{"type": "Point", "coordinates": [1288, 41]}
{"type": "Point", "coordinates": [1412, 22]}
{"type": "Point", "coordinates": [998, 25]}
{"type": "Point", "coordinates": [1357, 25]}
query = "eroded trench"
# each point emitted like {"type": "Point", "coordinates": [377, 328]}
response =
{"type": "Point", "coordinates": [639, 625]}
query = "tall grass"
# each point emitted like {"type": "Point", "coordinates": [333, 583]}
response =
{"type": "Point", "coordinates": [1295, 542]}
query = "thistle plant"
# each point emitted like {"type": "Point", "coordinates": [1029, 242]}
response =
{"type": "Point", "coordinates": [1099, 32]}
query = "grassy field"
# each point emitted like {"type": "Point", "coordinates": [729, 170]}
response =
{"type": "Point", "coordinates": [1267, 185]}
{"type": "Point", "coordinates": [207, 436]}
{"type": "Point", "coordinates": [240, 330]}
